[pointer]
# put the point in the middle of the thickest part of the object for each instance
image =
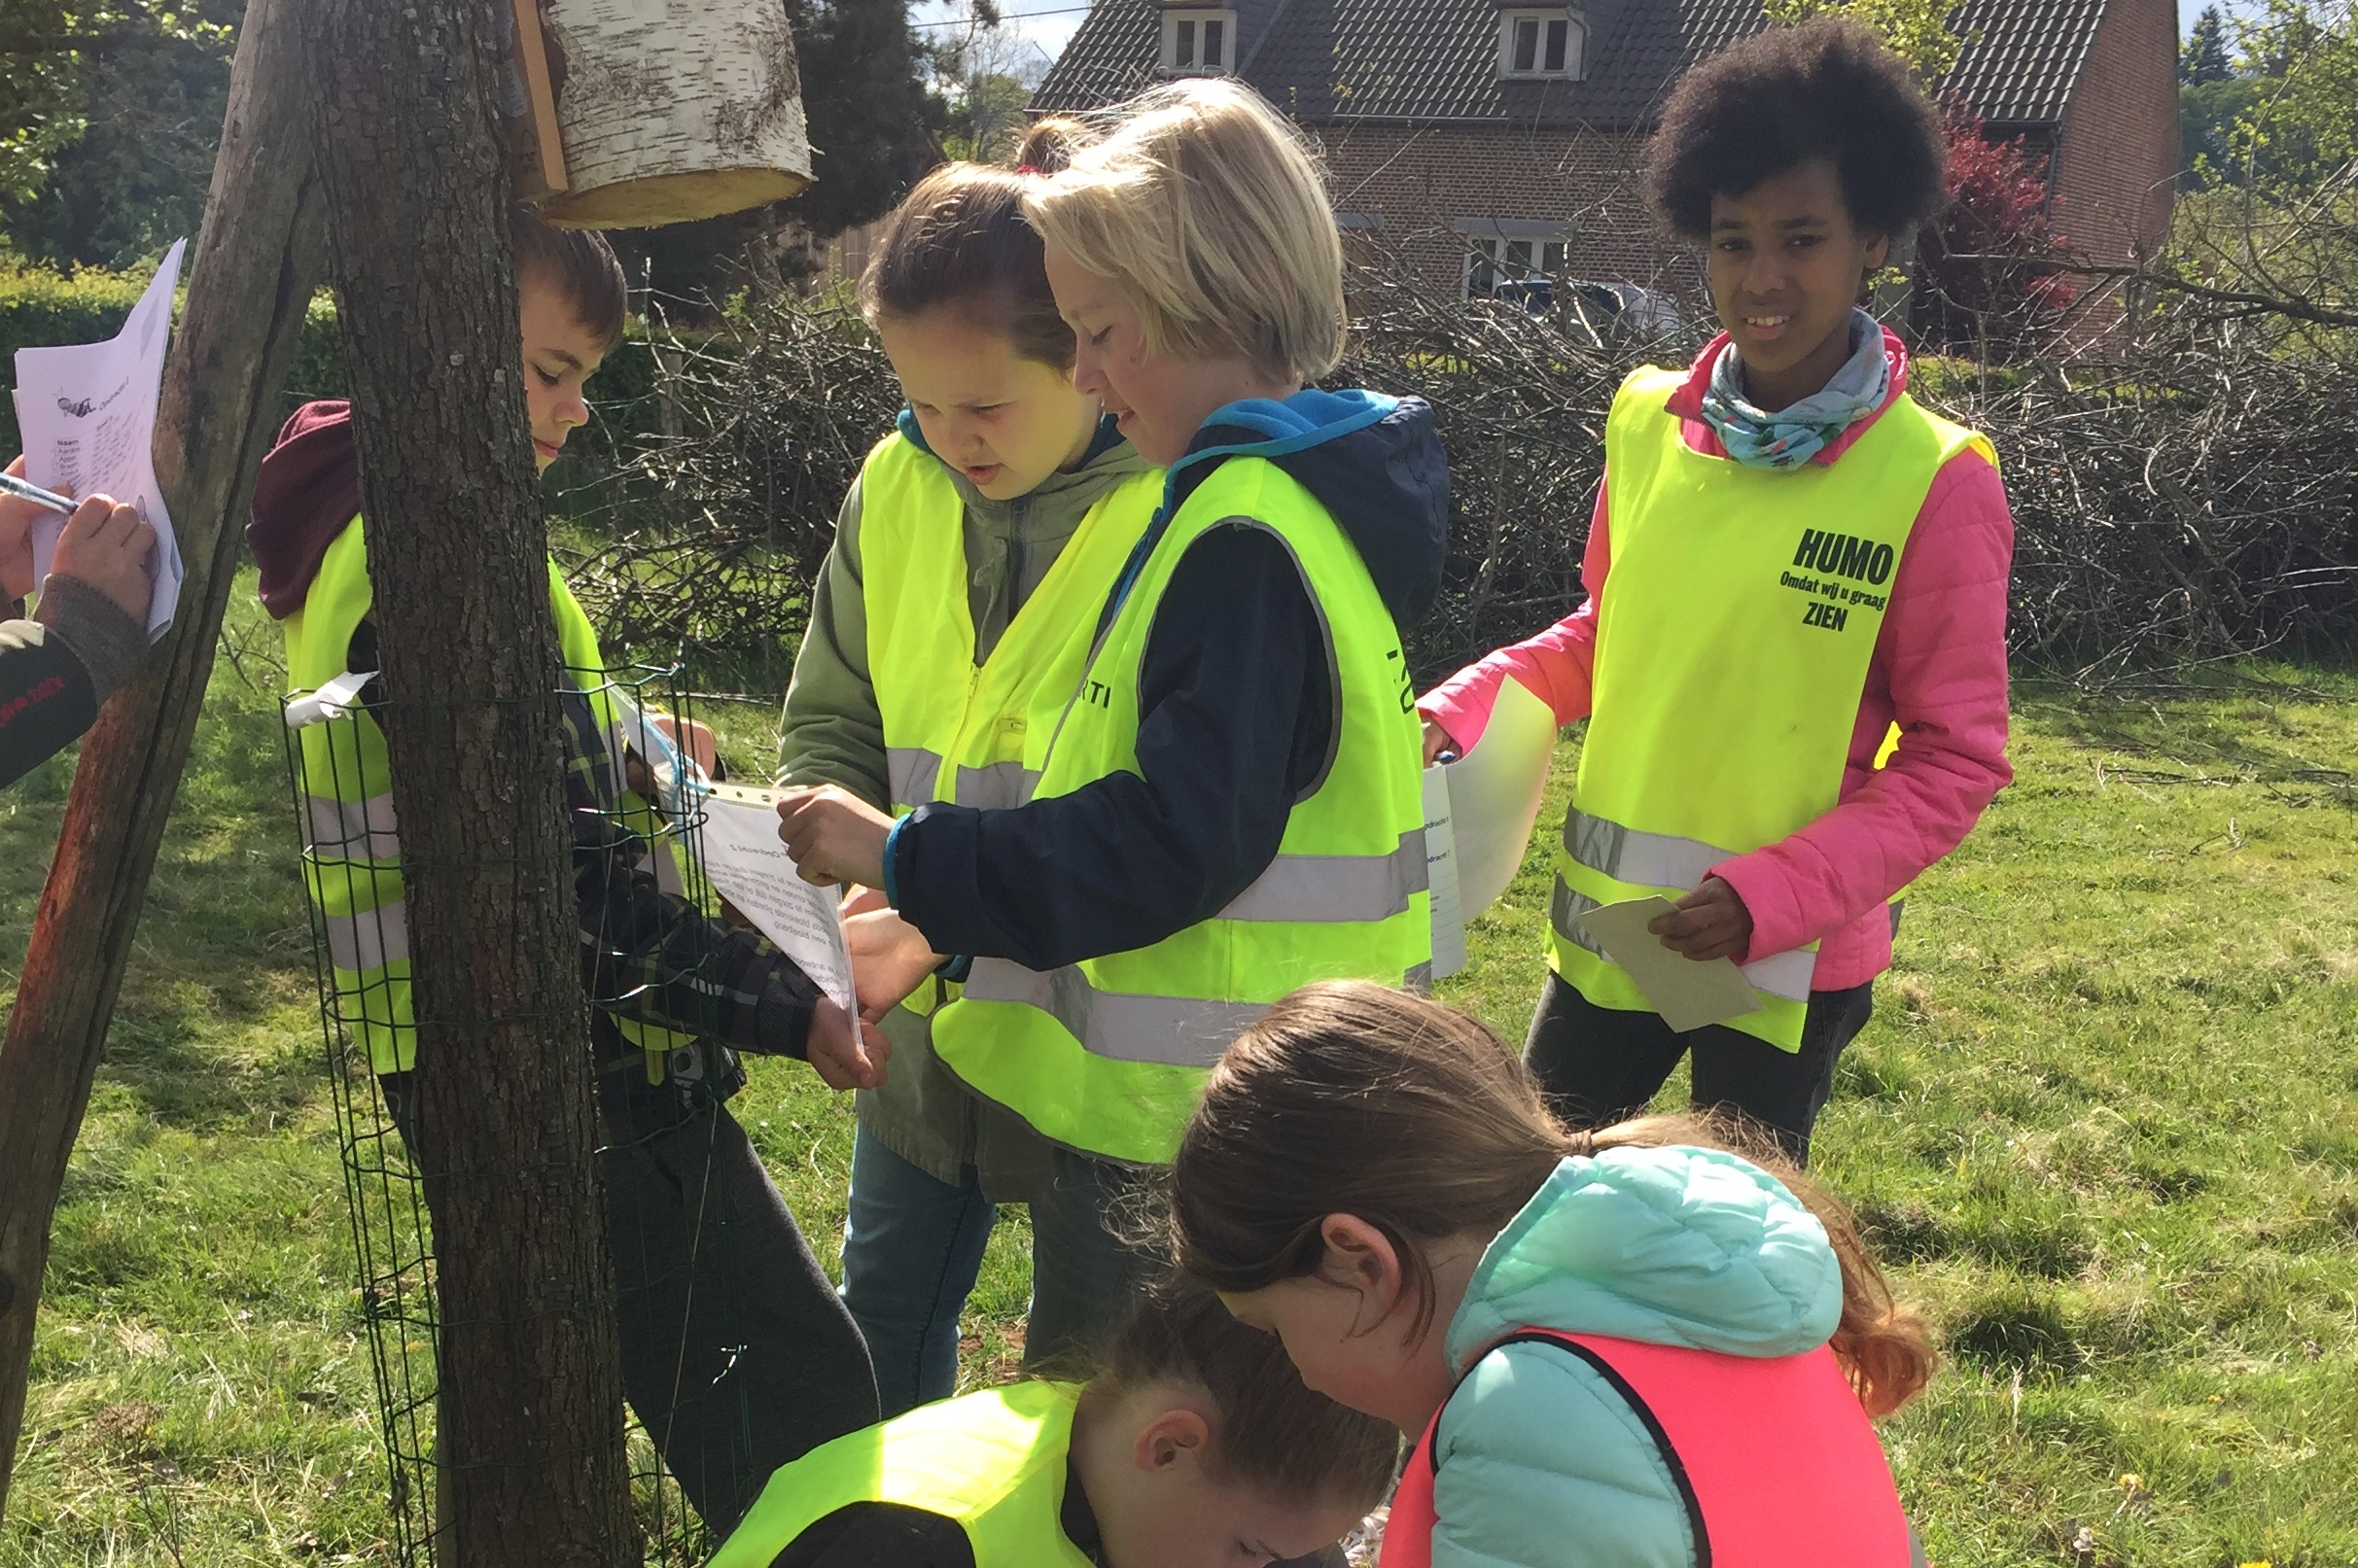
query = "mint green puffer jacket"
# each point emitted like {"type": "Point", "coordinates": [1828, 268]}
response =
{"type": "Point", "coordinates": [1542, 1465]}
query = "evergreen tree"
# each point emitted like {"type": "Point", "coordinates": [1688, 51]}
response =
{"type": "Point", "coordinates": [2203, 57]}
{"type": "Point", "coordinates": [874, 125]}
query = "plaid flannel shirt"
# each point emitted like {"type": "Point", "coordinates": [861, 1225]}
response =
{"type": "Point", "coordinates": [653, 955]}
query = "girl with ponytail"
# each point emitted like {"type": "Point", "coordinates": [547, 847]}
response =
{"type": "Point", "coordinates": [1657, 1342]}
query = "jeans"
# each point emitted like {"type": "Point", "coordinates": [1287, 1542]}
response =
{"type": "Point", "coordinates": [1602, 1065]}
{"type": "Point", "coordinates": [913, 1246]}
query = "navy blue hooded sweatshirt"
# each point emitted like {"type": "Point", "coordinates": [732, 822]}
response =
{"type": "Point", "coordinates": [1234, 712]}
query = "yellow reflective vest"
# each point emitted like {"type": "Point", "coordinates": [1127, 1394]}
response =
{"type": "Point", "coordinates": [351, 842]}
{"type": "Point", "coordinates": [955, 729]}
{"type": "Point", "coordinates": [1732, 640]}
{"type": "Point", "coordinates": [993, 1461]}
{"type": "Point", "coordinates": [1108, 1055]}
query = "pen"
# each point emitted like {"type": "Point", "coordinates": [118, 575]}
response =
{"type": "Point", "coordinates": [25, 490]}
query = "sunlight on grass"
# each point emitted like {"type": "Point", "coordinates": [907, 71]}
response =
{"type": "Point", "coordinates": [2104, 1127]}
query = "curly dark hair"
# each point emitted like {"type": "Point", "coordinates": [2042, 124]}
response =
{"type": "Point", "coordinates": [1826, 89]}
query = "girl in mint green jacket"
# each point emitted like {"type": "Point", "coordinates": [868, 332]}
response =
{"type": "Point", "coordinates": [1629, 1347]}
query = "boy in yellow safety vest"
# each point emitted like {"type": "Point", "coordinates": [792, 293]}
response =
{"type": "Point", "coordinates": [736, 1353]}
{"type": "Point", "coordinates": [1194, 1446]}
{"type": "Point", "coordinates": [1803, 567]}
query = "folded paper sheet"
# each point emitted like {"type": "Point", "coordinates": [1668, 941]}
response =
{"type": "Point", "coordinates": [87, 412]}
{"type": "Point", "coordinates": [1478, 816]}
{"type": "Point", "coordinates": [1686, 994]}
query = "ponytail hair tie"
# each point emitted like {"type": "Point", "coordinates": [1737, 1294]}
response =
{"type": "Point", "coordinates": [1033, 169]}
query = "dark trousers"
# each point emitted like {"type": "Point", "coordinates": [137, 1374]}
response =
{"type": "Point", "coordinates": [1600, 1065]}
{"type": "Point", "coordinates": [738, 1356]}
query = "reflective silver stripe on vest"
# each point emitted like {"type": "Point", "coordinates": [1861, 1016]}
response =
{"type": "Point", "coordinates": [371, 939]}
{"type": "Point", "coordinates": [911, 773]}
{"type": "Point", "coordinates": [351, 829]}
{"type": "Point", "coordinates": [1564, 911]}
{"type": "Point", "coordinates": [1781, 974]}
{"type": "Point", "coordinates": [1649, 859]}
{"type": "Point", "coordinates": [1313, 888]}
{"type": "Point", "coordinates": [1000, 786]}
{"type": "Point", "coordinates": [1180, 1032]}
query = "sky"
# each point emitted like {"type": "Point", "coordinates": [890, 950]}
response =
{"type": "Point", "coordinates": [1044, 26]}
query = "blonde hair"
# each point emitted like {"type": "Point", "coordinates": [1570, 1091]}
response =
{"type": "Point", "coordinates": [1346, 1098]}
{"type": "Point", "coordinates": [1206, 208]}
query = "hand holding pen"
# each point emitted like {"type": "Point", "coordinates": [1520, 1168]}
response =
{"type": "Point", "coordinates": [105, 545]}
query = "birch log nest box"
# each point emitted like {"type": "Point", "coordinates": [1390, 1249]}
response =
{"type": "Point", "coordinates": [652, 112]}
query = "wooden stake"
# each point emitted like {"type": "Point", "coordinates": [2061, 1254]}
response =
{"type": "Point", "coordinates": [532, 59]}
{"type": "Point", "coordinates": [258, 259]}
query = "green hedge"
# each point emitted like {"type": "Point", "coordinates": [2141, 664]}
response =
{"type": "Point", "coordinates": [39, 308]}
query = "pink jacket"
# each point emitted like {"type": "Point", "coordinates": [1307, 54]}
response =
{"type": "Point", "coordinates": [1938, 671]}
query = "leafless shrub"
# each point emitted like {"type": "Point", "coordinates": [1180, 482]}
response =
{"type": "Point", "coordinates": [715, 519]}
{"type": "Point", "coordinates": [2181, 473]}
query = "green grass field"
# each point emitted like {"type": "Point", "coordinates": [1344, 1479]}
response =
{"type": "Point", "coordinates": [2104, 1126]}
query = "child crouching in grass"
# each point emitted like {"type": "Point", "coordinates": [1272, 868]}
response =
{"type": "Point", "coordinates": [1195, 1446]}
{"type": "Point", "coordinates": [1628, 1347]}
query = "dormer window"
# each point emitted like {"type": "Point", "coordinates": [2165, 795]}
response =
{"type": "Point", "coordinates": [1541, 44]}
{"type": "Point", "coordinates": [1199, 43]}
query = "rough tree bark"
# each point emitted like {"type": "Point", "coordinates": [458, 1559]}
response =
{"type": "Point", "coordinates": [258, 257]}
{"type": "Point", "coordinates": [411, 157]}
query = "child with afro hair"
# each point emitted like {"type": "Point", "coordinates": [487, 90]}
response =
{"type": "Point", "coordinates": [1792, 655]}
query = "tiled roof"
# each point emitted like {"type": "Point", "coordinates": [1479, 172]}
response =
{"type": "Point", "coordinates": [2023, 57]}
{"type": "Point", "coordinates": [1436, 60]}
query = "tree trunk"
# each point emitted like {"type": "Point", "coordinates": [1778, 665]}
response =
{"type": "Point", "coordinates": [412, 158]}
{"type": "Point", "coordinates": [258, 259]}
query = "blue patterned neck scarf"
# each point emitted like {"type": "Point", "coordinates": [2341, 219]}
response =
{"type": "Point", "coordinates": [1792, 437]}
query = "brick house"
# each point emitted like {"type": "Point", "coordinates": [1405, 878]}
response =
{"type": "Point", "coordinates": [1484, 139]}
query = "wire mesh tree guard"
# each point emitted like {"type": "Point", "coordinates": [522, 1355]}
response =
{"type": "Point", "coordinates": [350, 858]}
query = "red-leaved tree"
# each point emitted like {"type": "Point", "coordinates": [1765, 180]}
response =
{"type": "Point", "coordinates": [1987, 263]}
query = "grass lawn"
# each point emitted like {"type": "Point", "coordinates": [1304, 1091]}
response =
{"type": "Point", "coordinates": [2104, 1123]}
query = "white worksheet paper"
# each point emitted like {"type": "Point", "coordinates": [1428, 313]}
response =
{"type": "Point", "coordinates": [1493, 795]}
{"type": "Point", "coordinates": [87, 415]}
{"type": "Point", "coordinates": [1686, 994]}
{"type": "Point", "coordinates": [1479, 811]}
{"type": "Point", "coordinates": [1441, 876]}
{"type": "Point", "coordinates": [746, 860]}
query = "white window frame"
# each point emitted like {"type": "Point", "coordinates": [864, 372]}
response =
{"type": "Point", "coordinates": [1190, 25]}
{"type": "Point", "coordinates": [1540, 18]}
{"type": "Point", "coordinates": [1508, 249]}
